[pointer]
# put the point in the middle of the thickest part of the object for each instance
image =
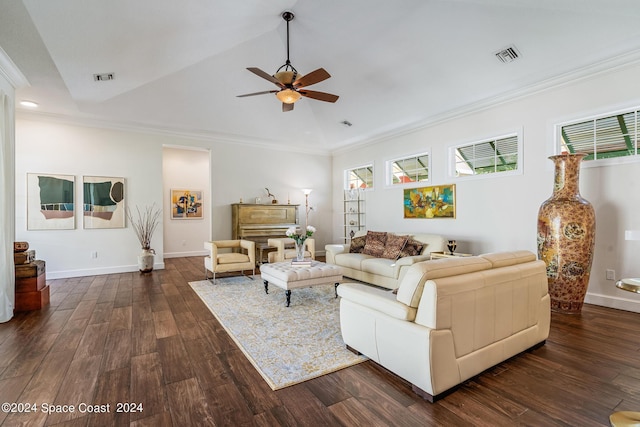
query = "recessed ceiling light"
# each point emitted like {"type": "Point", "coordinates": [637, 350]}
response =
{"type": "Point", "coordinates": [29, 104]}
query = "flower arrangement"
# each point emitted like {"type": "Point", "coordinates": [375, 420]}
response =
{"type": "Point", "coordinates": [300, 238]}
{"type": "Point", "coordinates": [145, 224]}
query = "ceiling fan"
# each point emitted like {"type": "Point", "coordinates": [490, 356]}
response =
{"type": "Point", "coordinates": [290, 83]}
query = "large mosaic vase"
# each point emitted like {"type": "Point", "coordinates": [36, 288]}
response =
{"type": "Point", "coordinates": [566, 236]}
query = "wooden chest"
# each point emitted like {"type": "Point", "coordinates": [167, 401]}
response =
{"type": "Point", "coordinates": [32, 292]}
{"type": "Point", "coordinates": [24, 257]}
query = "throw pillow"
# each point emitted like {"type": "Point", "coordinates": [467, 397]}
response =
{"type": "Point", "coordinates": [374, 244]}
{"type": "Point", "coordinates": [357, 244]}
{"type": "Point", "coordinates": [393, 246]}
{"type": "Point", "coordinates": [412, 248]}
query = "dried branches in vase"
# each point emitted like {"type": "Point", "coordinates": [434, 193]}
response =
{"type": "Point", "coordinates": [145, 223]}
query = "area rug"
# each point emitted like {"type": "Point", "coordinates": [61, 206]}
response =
{"type": "Point", "coordinates": [287, 345]}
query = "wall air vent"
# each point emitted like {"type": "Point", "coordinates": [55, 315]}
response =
{"type": "Point", "coordinates": [507, 55]}
{"type": "Point", "coordinates": [103, 77]}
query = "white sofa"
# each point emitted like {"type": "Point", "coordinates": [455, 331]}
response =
{"type": "Point", "coordinates": [380, 271]}
{"type": "Point", "coordinates": [451, 318]}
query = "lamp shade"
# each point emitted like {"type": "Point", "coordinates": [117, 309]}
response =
{"type": "Point", "coordinates": [288, 96]}
{"type": "Point", "coordinates": [307, 191]}
{"type": "Point", "coordinates": [285, 77]}
{"type": "Point", "coordinates": [632, 235]}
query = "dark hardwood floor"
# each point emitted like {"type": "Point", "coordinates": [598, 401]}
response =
{"type": "Point", "coordinates": [148, 340]}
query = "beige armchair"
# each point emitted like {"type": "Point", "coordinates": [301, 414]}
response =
{"type": "Point", "coordinates": [285, 249]}
{"type": "Point", "coordinates": [222, 261]}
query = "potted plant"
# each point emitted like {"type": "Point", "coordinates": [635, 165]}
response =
{"type": "Point", "coordinates": [144, 225]}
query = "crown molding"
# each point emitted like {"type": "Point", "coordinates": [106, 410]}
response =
{"type": "Point", "coordinates": [196, 135]}
{"type": "Point", "coordinates": [618, 62]}
{"type": "Point", "coordinates": [614, 63]}
{"type": "Point", "coordinates": [11, 72]}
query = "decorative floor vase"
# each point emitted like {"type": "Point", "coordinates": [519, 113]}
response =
{"type": "Point", "coordinates": [566, 236]}
{"type": "Point", "coordinates": [145, 260]}
{"type": "Point", "coordinates": [299, 251]}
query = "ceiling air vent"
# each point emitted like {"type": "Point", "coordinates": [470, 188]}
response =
{"type": "Point", "coordinates": [507, 55]}
{"type": "Point", "coordinates": [103, 77]}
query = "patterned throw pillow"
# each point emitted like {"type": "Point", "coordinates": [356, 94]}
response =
{"type": "Point", "coordinates": [374, 245]}
{"type": "Point", "coordinates": [393, 246]}
{"type": "Point", "coordinates": [412, 248]}
{"type": "Point", "coordinates": [357, 244]}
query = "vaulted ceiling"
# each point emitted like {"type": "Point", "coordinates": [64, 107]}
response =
{"type": "Point", "coordinates": [396, 65]}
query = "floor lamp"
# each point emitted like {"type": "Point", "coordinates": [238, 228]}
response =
{"type": "Point", "coordinates": [306, 192]}
{"type": "Point", "coordinates": [627, 418]}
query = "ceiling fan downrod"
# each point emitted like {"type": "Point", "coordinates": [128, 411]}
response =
{"type": "Point", "coordinates": [288, 16]}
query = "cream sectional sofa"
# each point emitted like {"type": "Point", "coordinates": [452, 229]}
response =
{"type": "Point", "coordinates": [451, 319]}
{"type": "Point", "coordinates": [380, 271]}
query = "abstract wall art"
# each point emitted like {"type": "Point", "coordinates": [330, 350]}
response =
{"type": "Point", "coordinates": [430, 202]}
{"type": "Point", "coordinates": [186, 204]}
{"type": "Point", "coordinates": [103, 202]}
{"type": "Point", "coordinates": [50, 202]}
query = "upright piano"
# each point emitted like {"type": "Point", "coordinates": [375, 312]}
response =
{"type": "Point", "coordinates": [259, 222]}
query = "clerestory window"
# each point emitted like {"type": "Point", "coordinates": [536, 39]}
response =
{"type": "Point", "coordinates": [360, 177]}
{"type": "Point", "coordinates": [490, 156]}
{"type": "Point", "coordinates": [408, 170]}
{"type": "Point", "coordinates": [603, 137]}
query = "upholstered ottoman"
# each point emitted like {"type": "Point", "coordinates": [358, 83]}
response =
{"type": "Point", "coordinates": [288, 277]}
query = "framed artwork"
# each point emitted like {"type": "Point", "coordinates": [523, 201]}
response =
{"type": "Point", "coordinates": [103, 202]}
{"type": "Point", "coordinates": [186, 204]}
{"type": "Point", "coordinates": [430, 202]}
{"type": "Point", "coordinates": [50, 202]}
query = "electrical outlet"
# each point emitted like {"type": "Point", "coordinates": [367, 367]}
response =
{"type": "Point", "coordinates": [611, 274]}
{"type": "Point", "coordinates": [94, 254]}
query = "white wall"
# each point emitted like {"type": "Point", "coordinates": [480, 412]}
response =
{"type": "Point", "coordinates": [237, 171]}
{"type": "Point", "coordinates": [184, 168]}
{"type": "Point", "coordinates": [43, 147]}
{"type": "Point", "coordinates": [496, 214]}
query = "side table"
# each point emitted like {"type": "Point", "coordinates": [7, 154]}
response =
{"type": "Point", "coordinates": [263, 250]}
{"type": "Point", "coordinates": [438, 255]}
{"type": "Point", "coordinates": [631, 285]}
{"type": "Point", "coordinates": [626, 418]}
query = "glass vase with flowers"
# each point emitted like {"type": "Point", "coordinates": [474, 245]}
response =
{"type": "Point", "coordinates": [299, 239]}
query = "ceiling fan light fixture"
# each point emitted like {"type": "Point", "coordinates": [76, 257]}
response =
{"type": "Point", "coordinates": [288, 96]}
{"type": "Point", "coordinates": [286, 77]}
{"type": "Point", "coordinates": [291, 85]}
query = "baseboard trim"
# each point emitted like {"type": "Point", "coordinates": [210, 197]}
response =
{"type": "Point", "coordinates": [609, 301]}
{"type": "Point", "coordinates": [66, 274]}
{"type": "Point", "coordinates": [184, 254]}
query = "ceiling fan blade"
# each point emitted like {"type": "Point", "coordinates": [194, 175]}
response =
{"type": "Point", "coordinates": [286, 107]}
{"type": "Point", "coordinates": [320, 96]}
{"type": "Point", "coordinates": [265, 75]}
{"type": "Point", "coordinates": [312, 78]}
{"type": "Point", "coordinates": [257, 93]}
